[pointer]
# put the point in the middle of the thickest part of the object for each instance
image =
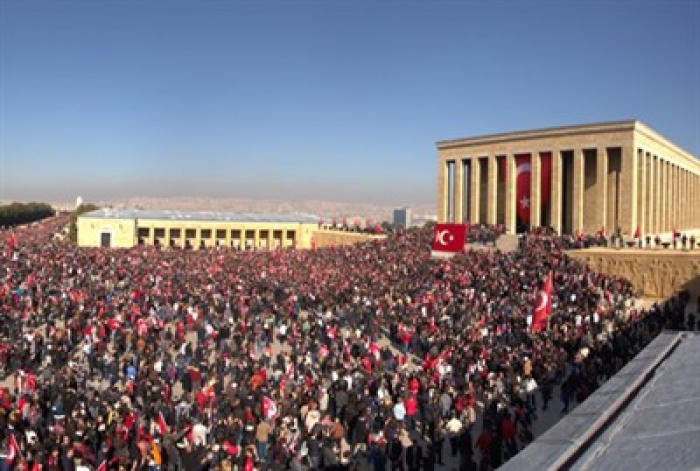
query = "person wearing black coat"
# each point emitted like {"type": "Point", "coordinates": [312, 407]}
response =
{"type": "Point", "coordinates": [396, 455]}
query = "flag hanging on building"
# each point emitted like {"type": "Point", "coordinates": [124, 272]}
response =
{"type": "Point", "coordinates": [522, 187]}
{"type": "Point", "coordinates": [543, 307]}
{"type": "Point", "coordinates": [449, 238]}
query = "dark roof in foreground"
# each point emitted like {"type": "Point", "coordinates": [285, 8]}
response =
{"type": "Point", "coordinates": [646, 417]}
{"type": "Point", "coordinates": [209, 216]}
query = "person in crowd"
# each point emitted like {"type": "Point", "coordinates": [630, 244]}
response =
{"type": "Point", "coordinates": [356, 357]}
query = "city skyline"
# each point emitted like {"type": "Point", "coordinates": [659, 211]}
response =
{"type": "Point", "coordinates": [303, 100]}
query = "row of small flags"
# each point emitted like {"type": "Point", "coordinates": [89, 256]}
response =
{"type": "Point", "coordinates": [638, 233]}
{"type": "Point", "coordinates": [356, 224]}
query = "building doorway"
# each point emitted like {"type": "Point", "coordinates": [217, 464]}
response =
{"type": "Point", "coordinates": [106, 239]}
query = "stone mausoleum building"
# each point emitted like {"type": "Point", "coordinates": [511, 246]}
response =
{"type": "Point", "coordinates": [577, 179]}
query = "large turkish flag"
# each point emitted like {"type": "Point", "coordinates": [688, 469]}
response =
{"type": "Point", "coordinates": [522, 187]}
{"type": "Point", "coordinates": [543, 306]}
{"type": "Point", "coordinates": [449, 237]}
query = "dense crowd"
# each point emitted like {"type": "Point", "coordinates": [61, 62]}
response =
{"type": "Point", "coordinates": [367, 357]}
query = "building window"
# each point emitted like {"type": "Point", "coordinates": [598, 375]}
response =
{"type": "Point", "coordinates": [206, 233]}
{"type": "Point", "coordinates": [221, 233]}
{"type": "Point", "coordinates": [144, 232]}
{"type": "Point", "coordinates": [190, 233]}
{"type": "Point", "coordinates": [160, 232]}
{"type": "Point", "coordinates": [175, 233]}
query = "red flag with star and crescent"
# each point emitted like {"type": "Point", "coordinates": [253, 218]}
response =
{"type": "Point", "coordinates": [449, 237]}
{"type": "Point", "coordinates": [522, 187]}
{"type": "Point", "coordinates": [543, 307]}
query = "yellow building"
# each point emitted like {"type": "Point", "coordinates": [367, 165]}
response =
{"type": "Point", "coordinates": [604, 176]}
{"type": "Point", "coordinates": [186, 229]}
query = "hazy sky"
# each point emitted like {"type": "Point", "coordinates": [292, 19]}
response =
{"type": "Point", "coordinates": [340, 100]}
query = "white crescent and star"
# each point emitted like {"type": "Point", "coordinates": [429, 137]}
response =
{"type": "Point", "coordinates": [524, 168]}
{"type": "Point", "coordinates": [543, 300]}
{"type": "Point", "coordinates": [440, 237]}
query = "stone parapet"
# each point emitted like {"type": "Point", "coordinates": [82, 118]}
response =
{"type": "Point", "coordinates": [655, 273]}
{"type": "Point", "coordinates": [336, 238]}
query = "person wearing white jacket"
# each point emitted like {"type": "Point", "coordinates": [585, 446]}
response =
{"type": "Point", "coordinates": [530, 388]}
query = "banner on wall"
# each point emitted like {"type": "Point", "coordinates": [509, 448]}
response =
{"type": "Point", "coordinates": [523, 174]}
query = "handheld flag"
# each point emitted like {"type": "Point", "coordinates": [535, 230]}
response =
{"type": "Point", "coordinates": [269, 408]}
{"type": "Point", "coordinates": [162, 426]}
{"type": "Point", "coordinates": [638, 233]}
{"type": "Point", "coordinates": [543, 308]}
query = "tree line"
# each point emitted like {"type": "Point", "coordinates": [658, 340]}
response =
{"type": "Point", "coordinates": [14, 214]}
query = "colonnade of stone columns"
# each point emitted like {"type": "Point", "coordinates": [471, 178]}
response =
{"type": "Point", "coordinates": [210, 237]}
{"type": "Point", "coordinates": [592, 189]}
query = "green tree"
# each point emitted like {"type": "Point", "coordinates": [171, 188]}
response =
{"type": "Point", "coordinates": [15, 214]}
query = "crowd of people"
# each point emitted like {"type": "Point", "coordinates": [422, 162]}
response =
{"type": "Point", "coordinates": [365, 357]}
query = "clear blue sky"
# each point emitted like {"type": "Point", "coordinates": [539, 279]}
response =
{"type": "Point", "coordinates": [340, 100]}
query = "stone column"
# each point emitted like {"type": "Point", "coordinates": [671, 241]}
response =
{"type": "Point", "coordinates": [662, 196]}
{"type": "Point", "coordinates": [228, 237]}
{"type": "Point", "coordinates": [197, 238]}
{"type": "Point", "coordinates": [694, 198]}
{"type": "Point", "coordinates": [442, 191]}
{"type": "Point", "coordinates": [475, 185]}
{"type": "Point", "coordinates": [657, 194]}
{"type": "Point", "coordinates": [641, 191]}
{"type": "Point", "coordinates": [673, 206]}
{"type": "Point", "coordinates": [492, 190]}
{"type": "Point", "coordinates": [649, 194]}
{"type": "Point", "coordinates": [691, 201]}
{"type": "Point", "coordinates": [679, 198]}
{"type": "Point", "coordinates": [535, 190]}
{"type": "Point", "coordinates": [669, 197]}
{"type": "Point", "coordinates": [510, 209]}
{"type": "Point", "coordinates": [628, 191]}
{"type": "Point", "coordinates": [555, 197]}
{"type": "Point", "coordinates": [578, 186]}
{"type": "Point", "coordinates": [601, 182]}
{"type": "Point", "coordinates": [459, 190]}
{"type": "Point", "coordinates": [685, 202]}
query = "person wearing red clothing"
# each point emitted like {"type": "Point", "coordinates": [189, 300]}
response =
{"type": "Point", "coordinates": [508, 434]}
{"type": "Point", "coordinates": [411, 406]}
{"type": "Point", "coordinates": [484, 443]}
{"type": "Point", "coordinates": [414, 386]}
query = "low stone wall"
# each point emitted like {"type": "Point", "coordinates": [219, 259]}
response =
{"type": "Point", "coordinates": [655, 273]}
{"type": "Point", "coordinates": [335, 238]}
